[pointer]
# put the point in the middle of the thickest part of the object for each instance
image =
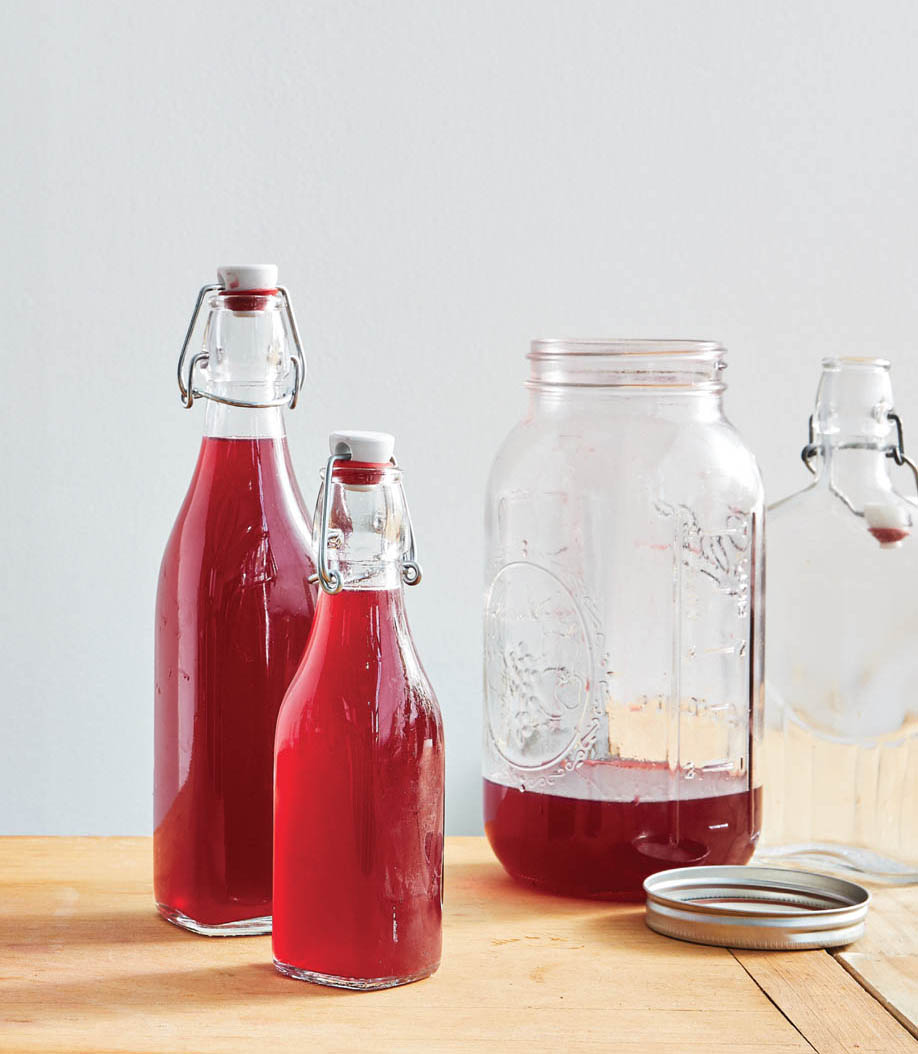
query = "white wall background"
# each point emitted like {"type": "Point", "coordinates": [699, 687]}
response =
{"type": "Point", "coordinates": [439, 182]}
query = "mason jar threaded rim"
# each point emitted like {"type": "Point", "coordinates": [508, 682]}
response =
{"type": "Point", "coordinates": [650, 364]}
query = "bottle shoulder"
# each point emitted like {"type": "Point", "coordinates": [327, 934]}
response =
{"type": "Point", "coordinates": [230, 569]}
{"type": "Point", "coordinates": [350, 685]}
{"type": "Point", "coordinates": [820, 511]}
{"type": "Point", "coordinates": [361, 643]}
{"type": "Point", "coordinates": [242, 497]}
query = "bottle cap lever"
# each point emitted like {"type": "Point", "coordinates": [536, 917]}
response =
{"type": "Point", "coordinates": [897, 452]}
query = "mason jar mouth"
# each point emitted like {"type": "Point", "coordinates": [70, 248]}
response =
{"type": "Point", "coordinates": [693, 365]}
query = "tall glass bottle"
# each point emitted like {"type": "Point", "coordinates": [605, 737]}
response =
{"type": "Point", "coordinates": [233, 611]}
{"type": "Point", "coordinates": [841, 740]}
{"type": "Point", "coordinates": [358, 812]}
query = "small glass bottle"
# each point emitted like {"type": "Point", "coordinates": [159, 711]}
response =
{"type": "Point", "coordinates": [233, 611]}
{"type": "Point", "coordinates": [358, 806]}
{"type": "Point", "coordinates": [623, 622]}
{"type": "Point", "coordinates": [841, 737]}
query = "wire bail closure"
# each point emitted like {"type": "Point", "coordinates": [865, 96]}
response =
{"type": "Point", "coordinates": [200, 358]}
{"type": "Point", "coordinates": [329, 579]}
{"type": "Point", "coordinates": [897, 452]}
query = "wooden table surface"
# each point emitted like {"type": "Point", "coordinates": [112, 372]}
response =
{"type": "Point", "coordinates": [86, 965]}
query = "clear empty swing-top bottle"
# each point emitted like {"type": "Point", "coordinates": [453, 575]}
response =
{"type": "Point", "coordinates": [622, 626]}
{"type": "Point", "coordinates": [841, 736]}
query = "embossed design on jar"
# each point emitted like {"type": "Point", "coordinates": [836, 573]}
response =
{"type": "Point", "coordinates": [720, 556]}
{"type": "Point", "coordinates": [538, 663]}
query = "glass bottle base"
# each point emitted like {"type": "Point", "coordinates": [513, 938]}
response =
{"type": "Point", "coordinates": [847, 861]}
{"type": "Point", "coordinates": [254, 927]}
{"type": "Point", "coordinates": [359, 984]}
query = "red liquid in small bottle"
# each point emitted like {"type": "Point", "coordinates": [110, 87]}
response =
{"type": "Point", "coordinates": [234, 609]}
{"type": "Point", "coordinates": [606, 848]}
{"type": "Point", "coordinates": [358, 821]}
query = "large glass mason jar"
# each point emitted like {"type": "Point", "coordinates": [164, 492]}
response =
{"type": "Point", "coordinates": [622, 626]}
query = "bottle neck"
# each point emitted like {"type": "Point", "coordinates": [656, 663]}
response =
{"type": "Point", "coordinates": [368, 536]}
{"type": "Point", "coordinates": [247, 370]}
{"type": "Point", "coordinates": [852, 430]}
{"type": "Point", "coordinates": [855, 471]}
{"type": "Point", "coordinates": [365, 629]}
{"type": "Point", "coordinates": [365, 611]}
{"type": "Point", "coordinates": [242, 422]}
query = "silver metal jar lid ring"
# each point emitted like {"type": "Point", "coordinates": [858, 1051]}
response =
{"type": "Point", "coordinates": [755, 907]}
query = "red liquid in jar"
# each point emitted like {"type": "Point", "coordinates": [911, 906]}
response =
{"type": "Point", "coordinates": [358, 822]}
{"type": "Point", "coordinates": [606, 848]}
{"type": "Point", "coordinates": [234, 609]}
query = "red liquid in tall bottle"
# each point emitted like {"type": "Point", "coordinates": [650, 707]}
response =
{"type": "Point", "coordinates": [358, 823]}
{"type": "Point", "coordinates": [234, 609]}
{"type": "Point", "coordinates": [606, 846]}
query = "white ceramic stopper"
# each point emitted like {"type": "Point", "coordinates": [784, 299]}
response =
{"type": "Point", "coordinates": [373, 447]}
{"type": "Point", "coordinates": [889, 523]}
{"type": "Point", "coordinates": [245, 277]}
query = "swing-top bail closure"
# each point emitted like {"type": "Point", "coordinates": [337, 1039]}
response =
{"type": "Point", "coordinates": [896, 451]}
{"type": "Point", "coordinates": [373, 449]}
{"type": "Point", "coordinates": [252, 280]}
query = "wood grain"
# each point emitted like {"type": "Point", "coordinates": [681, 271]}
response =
{"type": "Point", "coordinates": [86, 965]}
{"type": "Point", "coordinates": [825, 1004]}
{"type": "Point", "coordinates": [885, 959]}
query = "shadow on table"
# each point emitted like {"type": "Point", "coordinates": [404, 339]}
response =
{"type": "Point", "coordinates": [70, 927]}
{"type": "Point", "coordinates": [53, 966]}
{"type": "Point", "coordinates": [255, 985]}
